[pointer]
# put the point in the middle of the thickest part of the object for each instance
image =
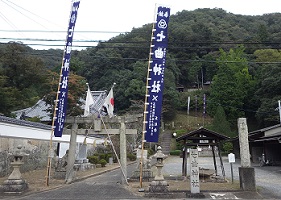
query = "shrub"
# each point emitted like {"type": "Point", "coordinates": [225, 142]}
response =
{"type": "Point", "coordinates": [227, 147]}
{"type": "Point", "coordinates": [175, 152]}
{"type": "Point", "coordinates": [103, 156]}
{"type": "Point", "coordinates": [93, 159]}
{"type": "Point", "coordinates": [150, 152]}
{"type": "Point", "coordinates": [109, 155]}
{"type": "Point", "coordinates": [103, 162]}
{"type": "Point", "coordinates": [131, 157]}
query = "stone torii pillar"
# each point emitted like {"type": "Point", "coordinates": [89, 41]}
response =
{"type": "Point", "coordinates": [123, 150]}
{"type": "Point", "coordinates": [98, 131]}
{"type": "Point", "coordinates": [71, 154]}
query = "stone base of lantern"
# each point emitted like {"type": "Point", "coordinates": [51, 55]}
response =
{"type": "Point", "coordinates": [14, 186]}
{"type": "Point", "coordinates": [158, 186]}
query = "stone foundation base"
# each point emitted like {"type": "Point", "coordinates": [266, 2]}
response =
{"type": "Point", "coordinates": [59, 175]}
{"type": "Point", "coordinates": [83, 166]}
{"type": "Point", "coordinates": [247, 178]}
{"type": "Point", "coordinates": [146, 175]}
{"type": "Point", "coordinates": [166, 195]}
{"type": "Point", "coordinates": [158, 186]}
{"type": "Point", "coordinates": [14, 186]}
{"type": "Point", "coordinates": [195, 195]}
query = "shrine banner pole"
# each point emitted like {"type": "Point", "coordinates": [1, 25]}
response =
{"type": "Point", "coordinates": [155, 79]}
{"type": "Point", "coordinates": [59, 114]}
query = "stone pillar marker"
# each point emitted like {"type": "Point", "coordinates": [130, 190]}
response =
{"type": "Point", "coordinates": [194, 172]}
{"type": "Point", "coordinates": [82, 154]}
{"type": "Point", "coordinates": [246, 172]}
{"type": "Point", "coordinates": [244, 143]}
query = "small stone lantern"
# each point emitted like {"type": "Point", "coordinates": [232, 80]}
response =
{"type": "Point", "coordinates": [159, 184]}
{"type": "Point", "coordinates": [15, 184]}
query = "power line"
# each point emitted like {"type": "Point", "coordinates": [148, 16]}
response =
{"type": "Point", "coordinates": [148, 41]}
{"type": "Point", "coordinates": [59, 31]}
{"type": "Point", "coordinates": [173, 59]}
{"type": "Point", "coordinates": [172, 45]}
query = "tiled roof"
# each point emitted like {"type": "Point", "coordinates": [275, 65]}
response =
{"type": "Point", "coordinates": [24, 123]}
{"type": "Point", "coordinates": [40, 110]}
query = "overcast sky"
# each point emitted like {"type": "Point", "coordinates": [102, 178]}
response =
{"type": "Point", "coordinates": [104, 16]}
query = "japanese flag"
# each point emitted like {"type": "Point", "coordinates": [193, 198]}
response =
{"type": "Point", "coordinates": [109, 103]}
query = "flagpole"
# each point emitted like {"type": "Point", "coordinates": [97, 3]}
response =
{"type": "Point", "coordinates": [50, 152]}
{"type": "Point", "coordinates": [145, 101]}
{"type": "Point", "coordinates": [53, 123]}
{"type": "Point", "coordinates": [52, 131]}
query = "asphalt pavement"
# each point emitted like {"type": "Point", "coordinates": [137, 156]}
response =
{"type": "Point", "coordinates": [267, 178]}
{"type": "Point", "coordinates": [108, 185]}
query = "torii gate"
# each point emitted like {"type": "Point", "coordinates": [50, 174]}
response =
{"type": "Point", "coordinates": [97, 130]}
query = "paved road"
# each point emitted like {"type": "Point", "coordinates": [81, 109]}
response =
{"type": "Point", "coordinates": [105, 186]}
{"type": "Point", "coordinates": [267, 177]}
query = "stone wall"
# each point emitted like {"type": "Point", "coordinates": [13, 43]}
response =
{"type": "Point", "coordinates": [37, 158]}
{"type": "Point", "coordinates": [4, 163]}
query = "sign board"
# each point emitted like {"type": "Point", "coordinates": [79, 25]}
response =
{"type": "Point", "coordinates": [231, 158]}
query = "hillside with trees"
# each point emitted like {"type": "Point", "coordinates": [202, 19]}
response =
{"type": "Point", "coordinates": [239, 55]}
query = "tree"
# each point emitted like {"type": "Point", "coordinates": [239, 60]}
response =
{"type": "Point", "coordinates": [220, 124]}
{"type": "Point", "coordinates": [22, 76]}
{"type": "Point", "coordinates": [268, 88]}
{"type": "Point", "coordinates": [76, 92]}
{"type": "Point", "coordinates": [231, 84]}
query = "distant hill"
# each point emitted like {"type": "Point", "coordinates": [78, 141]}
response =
{"type": "Point", "coordinates": [195, 40]}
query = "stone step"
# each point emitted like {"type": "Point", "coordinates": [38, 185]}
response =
{"type": "Point", "coordinates": [165, 142]}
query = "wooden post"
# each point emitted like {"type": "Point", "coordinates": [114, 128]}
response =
{"type": "Point", "coordinates": [222, 167]}
{"type": "Point", "coordinates": [214, 158]}
{"type": "Point", "coordinates": [184, 163]}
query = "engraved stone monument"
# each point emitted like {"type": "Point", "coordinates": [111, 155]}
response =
{"type": "Point", "coordinates": [194, 172]}
{"type": "Point", "coordinates": [246, 172]}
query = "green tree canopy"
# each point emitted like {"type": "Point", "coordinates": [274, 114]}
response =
{"type": "Point", "coordinates": [231, 84]}
{"type": "Point", "coordinates": [220, 124]}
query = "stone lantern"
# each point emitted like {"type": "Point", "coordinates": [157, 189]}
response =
{"type": "Point", "coordinates": [159, 184]}
{"type": "Point", "coordinates": [15, 184]}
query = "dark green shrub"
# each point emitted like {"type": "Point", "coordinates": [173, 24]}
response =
{"type": "Point", "coordinates": [93, 159]}
{"type": "Point", "coordinates": [227, 147]}
{"type": "Point", "coordinates": [150, 152]}
{"type": "Point", "coordinates": [109, 155]}
{"type": "Point", "coordinates": [103, 162]}
{"type": "Point", "coordinates": [131, 157]}
{"type": "Point", "coordinates": [175, 152]}
{"type": "Point", "coordinates": [103, 156]}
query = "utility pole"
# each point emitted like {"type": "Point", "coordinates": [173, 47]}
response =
{"type": "Point", "coordinates": [202, 78]}
{"type": "Point", "coordinates": [279, 107]}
